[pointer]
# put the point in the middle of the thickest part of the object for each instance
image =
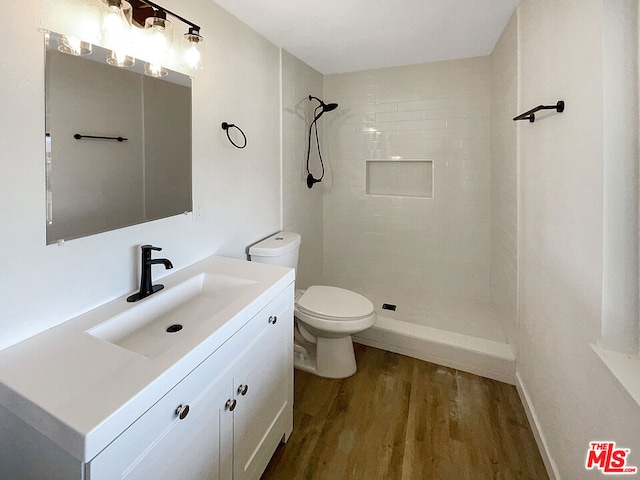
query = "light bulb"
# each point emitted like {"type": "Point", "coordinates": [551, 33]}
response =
{"type": "Point", "coordinates": [193, 55]}
{"type": "Point", "coordinates": [159, 39]}
{"type": "Point", "coordinates": [155, 70]}
{"type": "Point", "coordinates": [115, 26]}
{"type": "Point", "coordinates": [73, 45]}
{"type": "Point", "coordinates": [112, 23]}
{"type": "Point", "coordinates": [118, 58]}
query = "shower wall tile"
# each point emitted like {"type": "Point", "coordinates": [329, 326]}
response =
{"type": "Point", "coordinates": [437, 112]}
{"type": "Point", "coordinates": [423, 105]}
{"type": "Point", "coordinates": [504, 67]}
{"type": "Point", "coordinates": [396, 116]}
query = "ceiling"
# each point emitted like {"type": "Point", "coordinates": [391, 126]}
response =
{"type": "Point", "coordinates": [337, 36]}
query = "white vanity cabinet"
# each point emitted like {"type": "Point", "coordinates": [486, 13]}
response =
{"type": "Point", "coordinates": [119, 392]}
{"type": "Point", "coordinates": [222, 421]}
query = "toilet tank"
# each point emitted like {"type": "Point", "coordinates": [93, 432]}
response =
{"type": "Point", "coordinates": [279, 249]}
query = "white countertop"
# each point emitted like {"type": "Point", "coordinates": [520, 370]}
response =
{"type": "Point", "coordinates": [81, 391]}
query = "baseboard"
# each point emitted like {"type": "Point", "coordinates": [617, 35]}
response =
{"type": "Point", "coordinates": [550, 465]}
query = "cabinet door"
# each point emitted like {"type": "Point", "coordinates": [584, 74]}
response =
{"type": "Point", "coordinates": [160, 445]}
{"type": "Point", "coordinates": [263, 390]}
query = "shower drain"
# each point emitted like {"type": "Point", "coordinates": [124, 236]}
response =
{"type": "Point", "coordinates": [389, 306]}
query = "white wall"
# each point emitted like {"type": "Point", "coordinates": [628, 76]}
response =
{"type": "Point", "coordinates": [302, 207]}
{"type": "Point", "coordinates": [390, 246]}
{"type": "Point", "coordinates": [561, 239]}
{"type": "Point", "coordinates": [504, 179]}
{"type": "Point", "coordinates": [238, 190]}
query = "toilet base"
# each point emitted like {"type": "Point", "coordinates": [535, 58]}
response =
{"type": "Point", "coordinates": [328, 357]}
{"type": "Point", "coordinates": [335, 357]}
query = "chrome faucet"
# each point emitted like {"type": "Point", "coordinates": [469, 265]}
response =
{"type": "Point", "coordinates": [146, 285]}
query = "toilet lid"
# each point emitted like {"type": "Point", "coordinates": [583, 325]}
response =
{"type": "Point", "coordinates": [334, 302]}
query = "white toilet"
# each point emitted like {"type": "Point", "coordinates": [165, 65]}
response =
{"type": "Point", "coordinates": [325, 317]}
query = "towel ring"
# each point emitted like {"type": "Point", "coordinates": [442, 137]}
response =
{"type": "Point", "coordinates": [226, 126]}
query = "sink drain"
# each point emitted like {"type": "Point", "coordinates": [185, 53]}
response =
{"type": "Point", "coordinates": [174, 328]}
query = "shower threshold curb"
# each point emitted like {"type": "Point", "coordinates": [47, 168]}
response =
{"type": "Point", "coordinates": [479, 356]}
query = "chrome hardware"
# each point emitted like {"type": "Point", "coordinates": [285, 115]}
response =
{"type": "Point", "coordinates": [273, 319]}
{"type": "Point", "coordinates": [231, 404]}
{"type": "Point", "coordinates": [242, 389]}
{"type": "Point", "coordinates": [182, 411]}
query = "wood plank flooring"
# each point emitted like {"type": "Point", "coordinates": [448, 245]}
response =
{"type": "Point", "coordinates": [399, 418]}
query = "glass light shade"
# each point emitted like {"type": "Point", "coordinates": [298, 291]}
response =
{"type": "Point", "coordinates": [194, 50]}
{"type": "Point", "coordinates": [116, 27]}
{"type": "Point", "coordinates": [80, 19]}
{"type": "Point", "coordinates": [155, 70]}
{"type": "Point", "coordinates": [74, 46]}
{"type": "Point", "coordinates": [120, 59]}
{"type": "Point", "coordinates": [159, 33]}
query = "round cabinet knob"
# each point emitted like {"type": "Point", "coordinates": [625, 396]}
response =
{"type": "Point", "coordinates": [182, 411]}
{"type": "Point", "coordinates": [243, 389]}
{"type": "Point", "coordinates": [273, 319]}
{"type": "Point", "coordinates": [231, 404]}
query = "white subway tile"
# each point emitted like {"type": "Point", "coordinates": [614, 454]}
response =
{"type": "Point", "coordinates": [422, 105]}
{"type": "Point", "coordinates": [432, 112]}
{"type": "Point", "coordinates": [397, 116]}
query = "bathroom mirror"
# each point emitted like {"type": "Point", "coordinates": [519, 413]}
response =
{"type": "Point", "coordinates": [140, 171]}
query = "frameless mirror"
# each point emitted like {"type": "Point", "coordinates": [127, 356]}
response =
{"type": "Point", "coordinates": [118, 144]}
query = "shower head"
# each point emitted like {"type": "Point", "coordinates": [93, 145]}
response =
{"type": "Point", "coordinates": [325, 107]}
{"type": "Point", "coordinates": [329, 107]}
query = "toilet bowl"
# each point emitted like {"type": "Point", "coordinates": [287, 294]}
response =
{"type": "Point", "coordinates": [325, 316]}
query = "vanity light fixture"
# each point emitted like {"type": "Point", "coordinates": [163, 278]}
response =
{"type": "Point", "coordinates": [153, 18]}
{"type": "Point", "coordinates": [116, 32]}
{"type": "Point", "coordinates": [113, 30]}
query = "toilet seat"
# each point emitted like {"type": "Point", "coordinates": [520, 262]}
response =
{"type": "Point", "coordinates": [334, 311]}
{"type": "Point", "coordinates": [334, 304]}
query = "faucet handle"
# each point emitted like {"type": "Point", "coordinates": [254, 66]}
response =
{"type": "Point", "coordinates": [150, 247]}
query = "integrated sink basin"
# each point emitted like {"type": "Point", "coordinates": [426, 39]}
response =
{"type": "Point", "coordinates": [164, 319]}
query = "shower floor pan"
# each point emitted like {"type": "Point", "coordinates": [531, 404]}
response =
{"type": "Point", "coordinates": [458, 333]}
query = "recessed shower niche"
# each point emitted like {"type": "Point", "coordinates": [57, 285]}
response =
{"type": "Point", "coordinates": [400, 178]}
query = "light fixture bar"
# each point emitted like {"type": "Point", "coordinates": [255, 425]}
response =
{"type": "Point", "coordinates": [194, 28]}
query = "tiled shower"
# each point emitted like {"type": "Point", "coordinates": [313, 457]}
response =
{"type": "Point", "coordinates": [419, 206]}
{"type": "Point", "coordinates": [399, 245]}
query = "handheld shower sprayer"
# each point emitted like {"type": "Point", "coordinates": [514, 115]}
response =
{"type": "Point", "coordinates": [323, 106]}
{"type": "Point", "coordinates": [317, 113]}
